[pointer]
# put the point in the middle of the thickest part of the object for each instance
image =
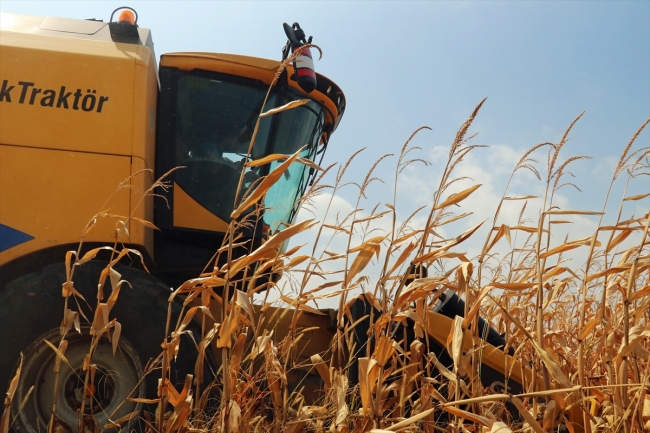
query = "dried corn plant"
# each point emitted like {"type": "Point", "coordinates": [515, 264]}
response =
{"type": "Point", "coordinates": [574, 352]}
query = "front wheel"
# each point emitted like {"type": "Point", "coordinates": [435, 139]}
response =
{"type": "Point", "coordinates": [31, 310]}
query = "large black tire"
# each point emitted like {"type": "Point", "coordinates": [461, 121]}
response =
{"type": "Point", "coordinates": [32, 306]}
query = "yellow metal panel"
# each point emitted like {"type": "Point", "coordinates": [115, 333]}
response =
{"type": "Point", "coordinates": [141, 205]}
{"type": "Point", "coordinates": [66, 93]}
{"type": "Point", "coordinates": [144, 105]}
{"type": "Point", "coordinates": [190, 214]}
{"type": "Point", "coordinates": [143, 146]}
{"type": "Point", "coordinates": [244, 66]}
{"type": "Point", "coordinates": [250, 67]}
{"type": "Point", "coordinates": [51, 195]}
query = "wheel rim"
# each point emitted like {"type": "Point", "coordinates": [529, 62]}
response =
{"type": "Point", "coordinates": [117, 378]}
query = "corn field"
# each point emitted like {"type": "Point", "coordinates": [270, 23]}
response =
{"type": "Point", "coordinates": [576, 335]}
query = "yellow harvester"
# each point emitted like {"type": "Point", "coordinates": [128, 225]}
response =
{"type": "Point", "coordinates": [84, 106]}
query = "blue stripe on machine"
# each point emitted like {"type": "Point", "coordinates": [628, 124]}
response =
{"type": "Point", "coordinates": [10, 237]}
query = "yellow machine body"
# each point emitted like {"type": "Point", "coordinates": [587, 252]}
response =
{"type": "Point", "coordinates": [77, 119]}
{"type": "Point", "coordinates": [79, 141]}
{"type": "Point", "coordinates": [78, 133]}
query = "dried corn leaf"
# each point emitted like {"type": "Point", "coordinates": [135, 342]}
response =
{"type": "Point", "coordinates": [92, 254]}
{"type": "Point", "coordinates": [412, 420]}
{"type": "Point", "coordinates": [550, 414]}
{"type": "Point", "coordinates": [468, 415]}
{"type": "Point", "coordinates": [613, 270]}
{"type": "Point", "coordinates": [552, 366]}
{"type": "Point", "coordinates": [265, 184]}
{"type": "Point", "coordinates": [296, 261]}
{"type": "Point", "coordinates": [268, 248]}
{"type": "Point", "coordinates": [618, 239]}
{"type": "Point", "coordinates": [402, 257]}
{"type": "Point", "coordinates": [527, 229]}
{"type": "Point", "coordinates": [440, 253]}
{"type": "Point", "coordinates": [244, 301]}
{"type": "Point", "coordinates": [463, 236]}
{"type": "Point", "coordinates": [112, 299]}
{"type": "Point", "coordinates": [368, 372]}
{"type": "Point", "coordinates": [641, 293]}
{"type": "Point", "coordinates": [499, 427]}
{"type": "Point", "coordinates": [301, 306]}
{"type": "Point", "coordinates": [500, 233]}
{"type": "Point", "coordinates": [530, 419]}
{"type": "Point", "coordinates": [452, 219]}
{"type": "Point", "coordinates": [68, 264]}
{"type": "Point", "coordinates": [70, 318]}
{"type": "Point", "coordinates": [67, 290]}
{"type": "Point", "coordinates": [557, 270]}
{"type": "Point", "coordinates": [100, 321]}
{"type": "Point", "coordinates": [341, 406]}
{"type": "Point", "coordinates": [293, 250]}
{"type": "Point", "coordinates": [323, 371]}
{"type": "Point", "coordinates": [636, 197]}
{"type": "Point", "coordinates": [372, 242]}
{"type": "Point", "coordinates": [587, 328]}
{"type": "Point", "coordinates": [475, 308]}
{"type": "Point", "coordinates": [371, 217]}
{"type": "Point", "coordinates": [366, 251]}
{"type": "Point", "coordinates": [508, 236]}
{"type": "Point", "coordinates": [237, 352]}
{"type": "Point", "coordinates": [13, 385]}
{"type": "Point", "coordinates": [145, 223]}
{"type": "Point", "coordinates": [266, 160]}
{"type": "Point", "coordinates": [59, 353]}
{"type": "Point", "coordinates": [372, 300]}
{"type": "Point", "coordinates": [117, 330]}
{"type": "Point", "coordinates": [455, 345]}
{"type": "Point", "coordinates": [337, 228]}
{"type": "Point", "coordinates": [384, 350]}
{"type": "Point", "coordinates": [227, 328]}
{"type": "Point", "coordinates": [261, 343]}
{"type": "Point", "coordinates": [125, 251]}
{"type": "Point", "coordinates": [122, 420]}
{"type": "Point", "coordinates": [407, 236]}
{"type": "Point", "coordinates": [280, 157]}
{"type": "Point", "coordinates": [568, 246]}
{"type": "Point", "coordinates": [481, 399]}
{"type": "Point", "coordinates": [572, 212]}
{"type": "Point", "coordinates": [287, 106]}
{"type": "Point", "coordinates": [457, 198]}
{"type": "Point", "coordinates": [413, 294]}
{"type": "Point", "coordinates": [144, 400]}
{"type": "Point", "coordinates": [523, 197]}
{"type": "Point", "coordinates": [234, 416]}
{"type": "Point", "coordinates": [513, 286]}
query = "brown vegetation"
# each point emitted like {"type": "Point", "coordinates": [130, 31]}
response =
{"type": "Point", "coordinates": [582, 331]}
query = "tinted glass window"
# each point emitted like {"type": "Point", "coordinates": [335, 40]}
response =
{"type": "Point", "coordinates": [301, 126]}
{"type": "Point", "coordinates": [214, 124]}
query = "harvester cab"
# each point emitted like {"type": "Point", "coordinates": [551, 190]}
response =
{"type": "Point", "coordinates": [208, 124]}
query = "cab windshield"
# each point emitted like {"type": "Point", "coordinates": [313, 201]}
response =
{"type": "Point", "coordinates": [214, 123]}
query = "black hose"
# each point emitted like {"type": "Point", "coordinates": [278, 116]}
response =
{"type": "Point", "coordinates": [454, 306]}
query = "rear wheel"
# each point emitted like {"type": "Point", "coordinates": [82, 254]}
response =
{"type": "Point", "coordinates": [31, 310]}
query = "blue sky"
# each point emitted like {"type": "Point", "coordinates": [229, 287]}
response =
{"type": "Point", "coordinates": [407, 64]}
